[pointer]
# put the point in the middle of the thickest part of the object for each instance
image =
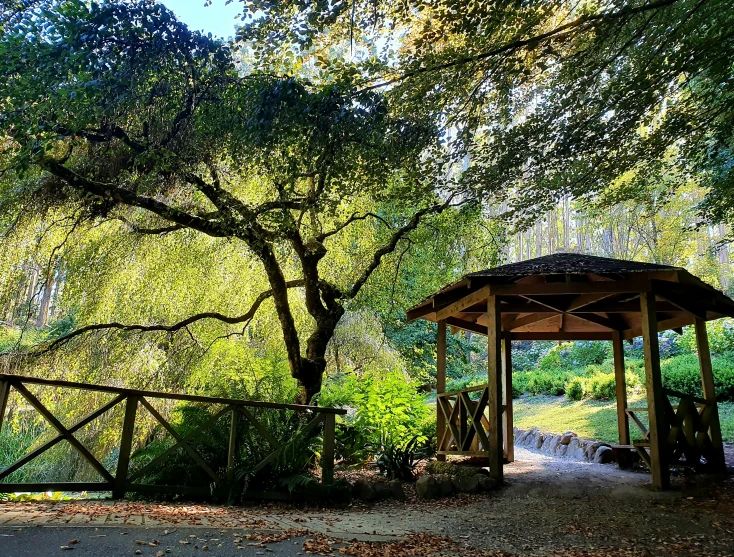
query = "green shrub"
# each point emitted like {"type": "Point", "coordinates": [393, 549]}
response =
{"type": "Point", "coordinates": [575, 388]}
{"type": "Point", "coordinates": [520, 384]}
{"type": "Point", "coordinates": [389, 403]}
{"type": "Point", "coordinates": [600, 386]}
{"type": "Point", "coordinates": [683, 374]}
{"type": "Point", "coordinates": [548, 382]}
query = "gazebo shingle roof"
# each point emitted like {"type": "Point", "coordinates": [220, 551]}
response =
{"type": "Point", "coordinates": [570, 263]}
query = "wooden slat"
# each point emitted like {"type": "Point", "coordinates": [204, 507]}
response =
{"type": "Point", "coordinates": [126, 442]}
{"type": "Point", "coordinates": [466, 325]}
{"type": "Point", "coordinates": [709, 394]}
{"type": "Point", "coordinates": [193, 453]}
{"type": "Point", "coordinates": [54, 486]}
{"type": "Point", "coordinates": [232, 445]}
{"type": "Point", "coordinates": [507, 416]}
{"type": "Point", "coordinates": [563, 335]}
{"type": "Point", "coordinates": [171, 396]}
{"type": "Point", "coordinates": [327, 455]}
{"type": "Point", "coordinates": [4, 395]}
{"type": "Point", "coordinates": [73, 441]}
{"type": "Point", "coordinates": [599, 287]}
{"type": "Point", "coordinates": [466, 301]}
{"type": "Point", "coordinates": [48, 444]}
{"type": "Point", "coordinates": [260, 428]}
{"type": "Point", "coordinates": [201, 430]}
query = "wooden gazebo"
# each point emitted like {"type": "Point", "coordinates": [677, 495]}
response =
{"type": "Point", "coordinates": [570, 296]}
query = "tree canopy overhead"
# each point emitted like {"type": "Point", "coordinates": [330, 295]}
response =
{"type": "Point", "coordinates": [550, 98]}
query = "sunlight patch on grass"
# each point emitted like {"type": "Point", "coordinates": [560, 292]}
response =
{"type": "Point", "coordinates": [590, 418]}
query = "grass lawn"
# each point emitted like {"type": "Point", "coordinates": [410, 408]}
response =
{"type": "Point", "coordinates": [590, 418]}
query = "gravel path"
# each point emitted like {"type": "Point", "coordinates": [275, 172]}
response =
{"type": "Point", "coordinates": [549, 506]}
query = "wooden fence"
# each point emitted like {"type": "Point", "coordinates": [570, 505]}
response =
{"type": "Point", "coordinates": [123, 480]}
{"type": "Point", "coordinates": [691, 439]}
{"type": "Point", "coordinates": [467, 423]}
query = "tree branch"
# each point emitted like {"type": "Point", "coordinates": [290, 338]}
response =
{"type": "Point", "coordinates": [586, 20]}
{"type": "Point", "coordinates": [128, 197]}
{"type": "Point", "coordinates": [398, 235]}
{"type": "Point", "coordinates": [246, 317]}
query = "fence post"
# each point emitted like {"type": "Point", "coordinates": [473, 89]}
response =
{"type": "Point", "coordinates": [4, 394]}
{"type": "Point", "coordinates": [327, 458]}
{"type": "Point", "coordinates": [232, 449]}
{"type": "Point", "coordinates": [126, 442]}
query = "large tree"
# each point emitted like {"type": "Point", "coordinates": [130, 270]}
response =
{"type": "Point", "coordinates": [115, 112]}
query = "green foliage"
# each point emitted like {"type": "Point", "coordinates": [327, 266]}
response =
{"type": "Point", "coordinates": [683, 374]}
{"type": "Point", "coordinates": [600, 386]}
{"type": "Point", "coordinates": [575, 389]}
{"type": "Point", "coordinates": [398, 461]}
{"type": "Point", "coordinates": [720, 334]}
{"type": "Point", "coordinates": [571, 355]}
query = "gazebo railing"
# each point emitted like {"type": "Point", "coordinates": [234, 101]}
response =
{"type": "Point", "coordinates": [467, 421]}
{"type": "Point", "coordinates": [688, 441]}
{"type": "Point", "coordinates": [122, 479]}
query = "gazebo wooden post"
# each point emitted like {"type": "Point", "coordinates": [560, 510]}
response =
{"type": "Point", "coordinates": [440, 383]}
{"type": "Point", "coordinates": [509, 434]}
{"type": "Point", "coordinates": [623, 423]}
{"type": "Point", "coordinates": [494, 388]}
{"type": "Point", "coordinates": [655, 396]}
{"type": "Point", "coordinates": [709, 393]}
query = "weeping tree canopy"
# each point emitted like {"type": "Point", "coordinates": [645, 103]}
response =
{"type": "Point", "coordinates": [117, 117]}
{"type": "Point", "coordinates": [549, 98]}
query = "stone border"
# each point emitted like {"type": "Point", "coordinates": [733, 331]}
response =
{"type": "Point", "coordinates": [567, 445]}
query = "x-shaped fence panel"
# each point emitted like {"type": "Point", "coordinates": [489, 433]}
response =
{"type": "Point", "coordinates": [122, 480]}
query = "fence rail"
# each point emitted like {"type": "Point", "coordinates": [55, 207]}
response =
{"type": "Point", "coordinates": [467, 423]}
{"type": "Point", "coordinates": [134, 400]}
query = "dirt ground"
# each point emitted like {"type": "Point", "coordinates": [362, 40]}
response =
{"type": "Point", "coordinates": [549, 506]}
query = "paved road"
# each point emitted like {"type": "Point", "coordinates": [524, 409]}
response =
{"type": "Point", "coordinates": [110, 542]}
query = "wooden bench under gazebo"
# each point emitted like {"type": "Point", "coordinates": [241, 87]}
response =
{"type": "Point", "coordinates": [570, 296]}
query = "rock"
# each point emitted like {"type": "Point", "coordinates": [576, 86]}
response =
{"type": "Point", "coordinates": [396, 486]}
{"type": "Point", "coordinates": [364, 491]}
{"type": "Point", "coordinates": [561, 450]}
{"type": "Point", "coordinates": [573, 446]}
{"type": "Point", "coordinates": [591, 448]}
{"type": "Point", "coordinates": [566, 437]}
{"type": "Point", "coordinates": [604, 455]}
{"type": "Point", "coordinates": [555, 442]}
{"type": "Point", "coordinates": [529, 439]}
{"type": "Point", "coordinates": [466, 484]}
{"type": "Point", "coordinates": [520, 436]}
{"type": "Point", "coordinates": [382, 490]}
{"type": "Point", "coordinates": [486, 483]}
{"type": "Point", "coordinates": [445, 485]}
{"type": "Point", "coordinates": [427, 487]}
{"type": "Point", "coordinates": [546, 447]}
{"type": "Point", "coordinates": [439, 467]}
{"type": "Point", "coordinates": [539, 441]}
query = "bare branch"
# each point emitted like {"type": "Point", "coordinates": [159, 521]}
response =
{"type": "Point", "coordinates": [244, 318]}
{"type": "Point", "coordinates": [398, 235]}
{"type": "Point", "coordinates": [350, 220]}
{"type": "Point", "coordinates": [128, 197]}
